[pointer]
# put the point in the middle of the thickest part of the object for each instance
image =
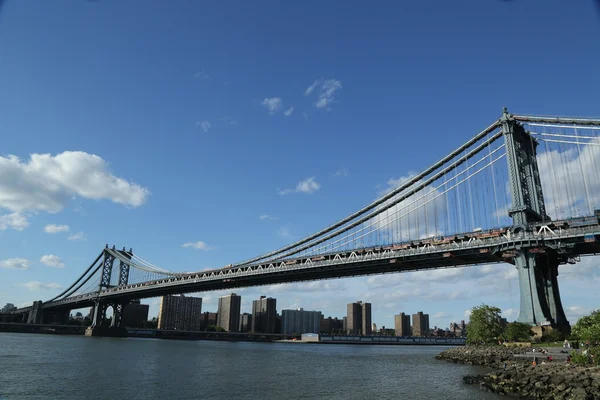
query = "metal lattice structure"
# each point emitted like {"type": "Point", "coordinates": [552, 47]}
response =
{"type": "Point", "coordinates": [536, 210]}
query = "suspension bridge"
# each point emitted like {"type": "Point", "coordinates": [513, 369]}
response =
{"type": "Point", "coordinates": [524, 191]}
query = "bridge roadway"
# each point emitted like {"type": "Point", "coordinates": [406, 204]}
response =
{"type": "Point", "coordinates": [463, 250]}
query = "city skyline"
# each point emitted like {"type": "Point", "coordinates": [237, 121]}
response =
{"type": "Point", "coordinates": [204, 124]}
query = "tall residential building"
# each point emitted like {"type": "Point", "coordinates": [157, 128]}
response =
{"type": "Point", "coordinates": [264, 315]}
{"type": "Point", "coordinates": [332, 325]}
{"type": "Point", "coordinates": [135, 315]}
{"type": "Point", "coordinates": [354, 318]}
{"type": "Point", "coordinates": [208, 319]}
{"type": "Point", "coordinates": [228, 315]}
{"type": "Point", "coordinates": [402, 324]}
{"type": "Point", "coordinates": [359, 318]}
{"type": "Point", "coordinates": [420, 324]}
{"type": "Point", "coordinates": [180, 313]}
{"type": "Point", "coordinates": [366, 319]}
{"type": "Point", "coordinates": [245, 322]}
{"type": "Point", "coordinates": [8, 308]}
{"type": "Point", "coordinates": [300, 321]}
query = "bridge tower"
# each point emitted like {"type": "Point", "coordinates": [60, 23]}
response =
{"type": "Point", "coordinates": [98, 327]}
{"type": "Point", "coordinates": [537, 268]}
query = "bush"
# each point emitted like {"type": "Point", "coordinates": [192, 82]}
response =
{"type": "Point", "coordinates": [579, 358]}
{"type": "Point", "coordinates": [552, 336]}
{"type": "Point", "coordinates": [518, 332]}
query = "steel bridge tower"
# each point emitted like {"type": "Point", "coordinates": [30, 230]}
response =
{"type": "Point", "coordinates": [537, 267]}
{"type": "Point", "coordinates": [100, 307]}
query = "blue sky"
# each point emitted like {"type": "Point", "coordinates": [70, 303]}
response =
{"type": "Point", "coordinates": [199, 119]}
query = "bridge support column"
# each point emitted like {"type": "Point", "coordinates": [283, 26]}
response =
{"type": "Point", "coordinates": [35, 315]}
{"type": "Point", "coordinates": [100, 327]}
{"type": "Point", "coordinates": [538, 284]}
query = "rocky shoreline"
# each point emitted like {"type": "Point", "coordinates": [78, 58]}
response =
{"type": "Point", "coordinates": [521, 379]}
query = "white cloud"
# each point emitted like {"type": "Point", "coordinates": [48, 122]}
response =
{"type": "Point", "coordinates": [315, 286]}
{"type": "Point", "coordinates": [205, 125]}
{"type": "Point", "coordinates": [568, 177]}
{"type": "Point", "coordinates": [15, 263]}
{"type": "Point", "coordinates": [52, 261]}
{"type": "Point", "coordinates": [272, 104]}
{"type": "Point", "coordinates": [309, 185]}
{"type": "Point", "coordinates": [51, 228]}
{"type": "Point", "coordinates": [284, 232]}
{"type": "Point", "coordinates": [467, 313]}
{"type": "Point", "coordinates": [34, 285]}
{"type": "Point", "coordinates": [79, 236]}
{"type": "Point", "coordinates": [47, 183]}
{"type": "Point", "coordinates": [14, 220]}
{"type": "Point", "coordinates": [264, 217]}
{"type": "Point", "coordinates": [510, 313]}
{"type": "Point", "coordinates": [341, 172]}
{"type": "Point", "coordinates": [325, 90]}
{"type": "Point", "coordinates": [289, 111]}
{"type": "Point", "coordinates": [202, 75]}
{"type": "Point", "coordinates": [441, 314]}
{"type": "Point", "coordinates": [199, 245]}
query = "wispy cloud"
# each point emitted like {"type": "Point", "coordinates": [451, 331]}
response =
{"type": "Point", "coordinates": [341, 172]}
{"type": "Point", "coordinates": [272, 104]}
{"type": "Point", "coordinates": [202, 75]}
{"type": "Point", "coordinates": [228, 120]}
{"type": "Point", "coordinates": [52, 261]}
{"type": "Point", "coordinates": [289, 111]}
{"type": "Point", "coordinates": [264, 217]}
{"type": "Point", "coordinates": [34, 285]}
{"type": "Point", "coordinates": [14, 221]}
{"type": "Point", "coordinates": [15, 263]}
{"type": "Point", "coordinates": [51, 228]}
{"type": "Point", "coordinates": [325, 90]}
{"type": "Point", "coordinates": [205, 125]}
{"type": "Point", "coordinates": [309, 185]}
{"type": "Point", "coordinates": [79, 236]}
{"type": "Point", "coordinates": [284, 232]}
{"type": "Point", "coordinates": [199, 245]}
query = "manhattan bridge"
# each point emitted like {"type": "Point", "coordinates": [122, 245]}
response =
{"type": "Point", "coordinates": [524, 191]}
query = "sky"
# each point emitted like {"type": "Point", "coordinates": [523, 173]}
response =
{"type": "Point", "coordinates": [239, 127]}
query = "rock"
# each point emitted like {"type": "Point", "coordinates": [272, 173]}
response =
{"type": "Point", "coordinates": [470, 380]}
{"type": "Point", "coordinates": [579, 394]}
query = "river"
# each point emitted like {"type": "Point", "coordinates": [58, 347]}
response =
{"type": "Point", "coordinates": [37, 366]}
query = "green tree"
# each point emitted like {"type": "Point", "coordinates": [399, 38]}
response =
{"type": "Point", "coordinates": [552, 336]}
{"type": "Point", "coordinates": [484, 325]}
{"type": "Point", "coordinates": [518, 332]}
{"type": "Point", "coordinates": [588, 328]}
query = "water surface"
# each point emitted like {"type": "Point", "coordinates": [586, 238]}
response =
{"type": "Point", "coordinates": [35, 366]}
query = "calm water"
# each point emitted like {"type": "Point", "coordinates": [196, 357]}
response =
{"type": "Point", "coordinates": [75, 367]}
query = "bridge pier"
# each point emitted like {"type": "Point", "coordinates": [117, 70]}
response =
{"type": "Point", "coordinates": [100, 327]}
{"type": "Point", "coordinates": [35, 315]}
{"type": "Point", "coordinates": [538, 286]}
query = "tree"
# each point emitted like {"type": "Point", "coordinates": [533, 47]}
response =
{"type": "Point", "coordinates": [518, 332]}
{"type": "Point", "coordinates": [588, 328]}
{"type": "Point", "coordinates": [552, 336]}
{"type": "Point", "coordinates": [484, 325]}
